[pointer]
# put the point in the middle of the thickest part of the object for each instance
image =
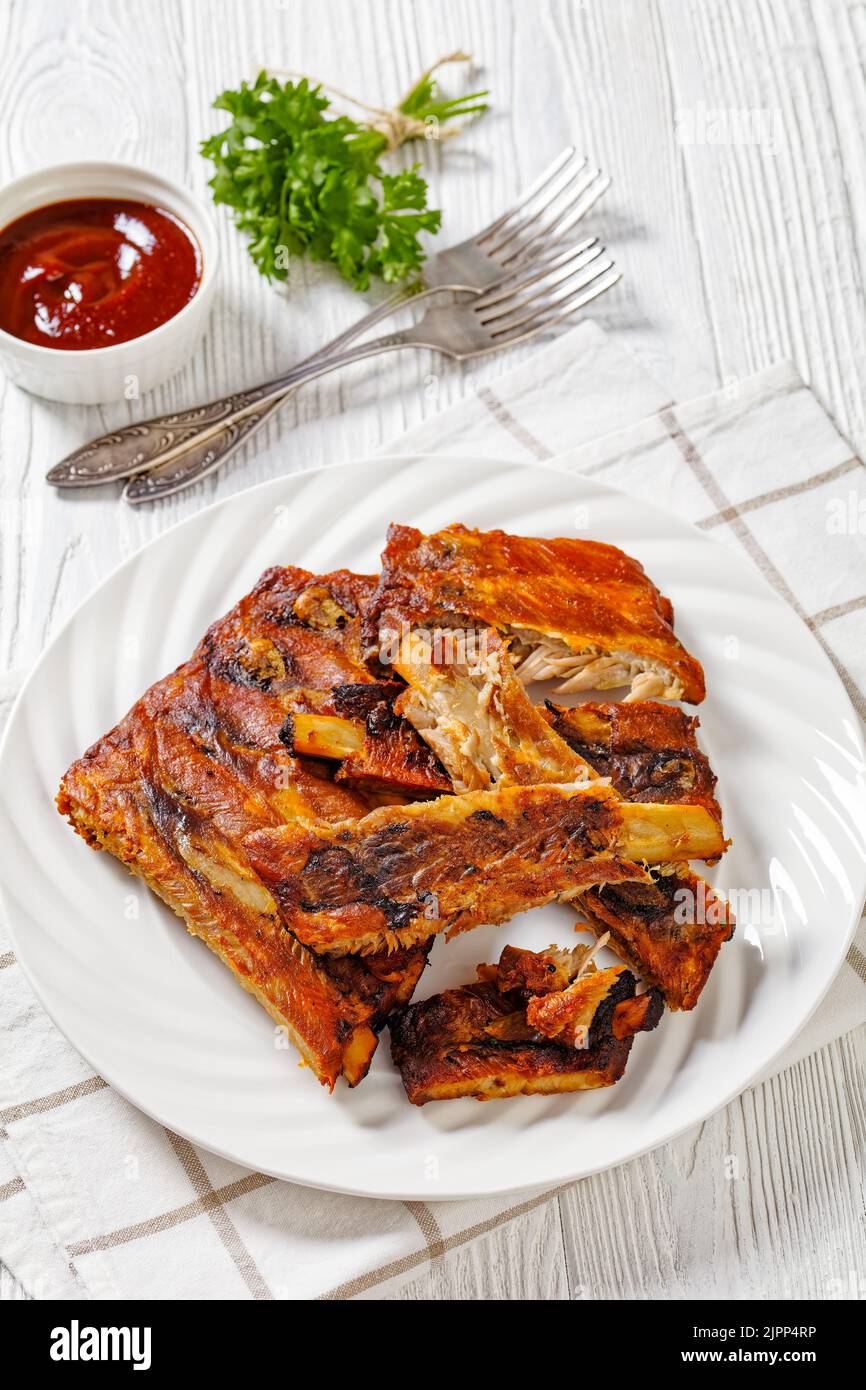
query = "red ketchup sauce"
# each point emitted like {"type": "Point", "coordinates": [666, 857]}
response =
{"type": "Point", "coordinates": [92, 272]}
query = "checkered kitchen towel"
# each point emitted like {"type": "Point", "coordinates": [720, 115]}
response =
{"type": "Point", "coordinates": [96, 1200]}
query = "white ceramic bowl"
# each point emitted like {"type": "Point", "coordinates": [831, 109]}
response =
{"type": "Point", "coordinates": [110, 373]}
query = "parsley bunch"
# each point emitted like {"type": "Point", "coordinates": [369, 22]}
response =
{"type": "Point", "coordinates": [302, 182]}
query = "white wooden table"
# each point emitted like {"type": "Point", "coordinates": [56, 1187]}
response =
{"type": "Point", "coordinates": [736, 253]}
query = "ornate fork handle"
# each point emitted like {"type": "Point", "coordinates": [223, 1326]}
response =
{"type": "Point", "coordinates": [188, 462]}
{"type": "Point", "coordinates": [133, 449]}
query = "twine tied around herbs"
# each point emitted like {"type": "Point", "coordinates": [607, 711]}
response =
{"type": "Point", "coordinates": [398, 125]}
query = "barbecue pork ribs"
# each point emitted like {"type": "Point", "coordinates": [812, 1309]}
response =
{"type": "Point", "coordinates": [318, 792]}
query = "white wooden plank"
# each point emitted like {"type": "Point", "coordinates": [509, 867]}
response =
{"type": "Point", "coordinates": [780, 222]}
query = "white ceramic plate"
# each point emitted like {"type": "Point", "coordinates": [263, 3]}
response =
{"type": "Point", "coordinates": [159, 1017]}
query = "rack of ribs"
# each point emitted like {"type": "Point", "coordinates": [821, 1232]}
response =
{"type": "Point", "coordinates": [201, 762]}
{"type": "Point", "coordinates": [319, 791]}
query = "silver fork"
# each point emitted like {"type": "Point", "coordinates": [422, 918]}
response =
{"type": "Point", "coordinates": [525, 304]}
{"type": "Point", "coordinates": [508, 243]}
{"type": "Point", "coordinates": [543, 214]}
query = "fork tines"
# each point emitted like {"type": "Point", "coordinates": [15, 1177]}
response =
{"type": "Point", "coordinates": [510, 315]}
{"type": "Point", "coordinates": [546, 212]}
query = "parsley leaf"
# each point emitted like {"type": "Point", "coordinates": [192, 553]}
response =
{"type": "Point", "coordinates": [301, 182]}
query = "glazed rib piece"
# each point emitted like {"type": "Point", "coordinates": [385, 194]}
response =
{"type": "Point", "coordinates": [292, 630]}
{"type": "Point", "coordinates": [200, 762]}
{"type": "Point", "coordinates": [648, 750]}
{"type": "Point", "coordinates": [297, 638]}
{"type": "Point", "coordinates": [671, 929]}
{"type": "Point", "coordinates": [402, 873]}
{"type": "Point", "coordinates": [538, 972]}
{"type": "Point", "coordinates": [578, 611]}
{"type": "Point", "coordinates": [499, 1038]}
